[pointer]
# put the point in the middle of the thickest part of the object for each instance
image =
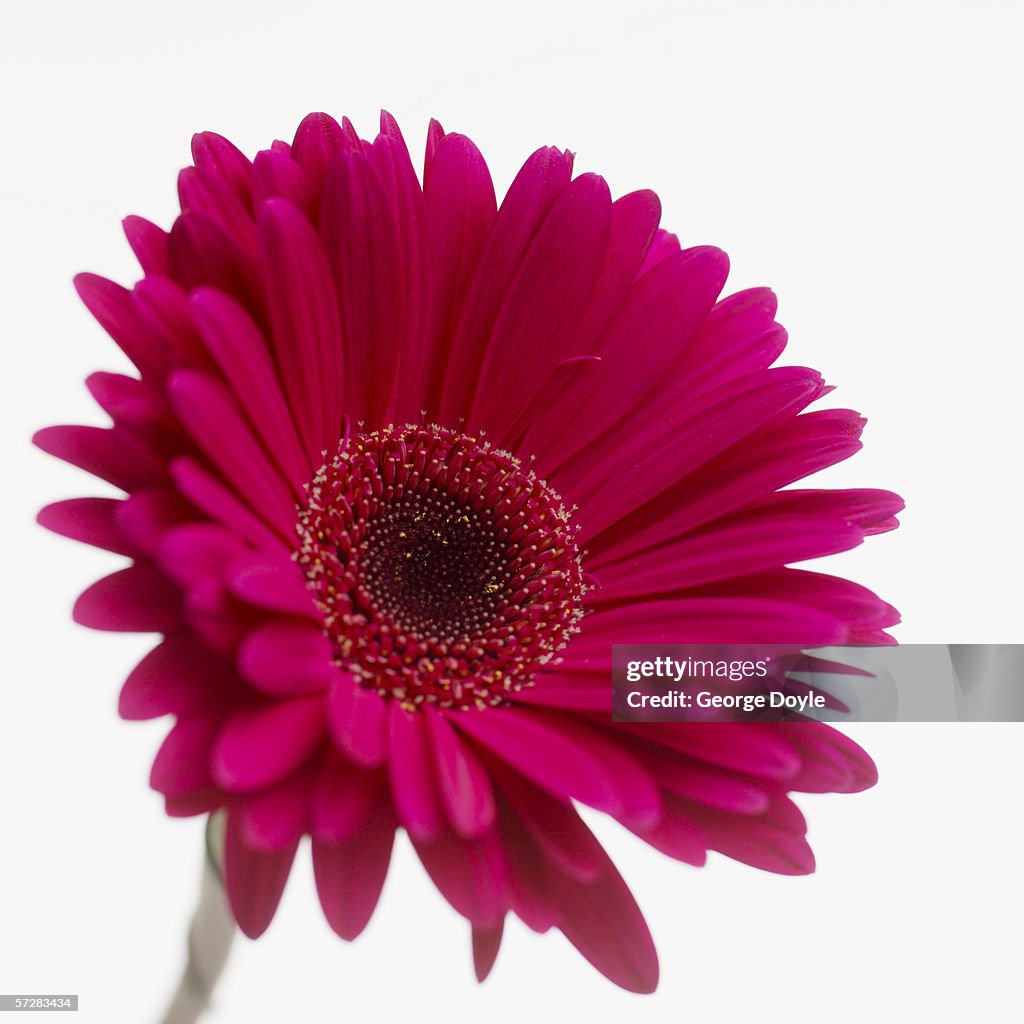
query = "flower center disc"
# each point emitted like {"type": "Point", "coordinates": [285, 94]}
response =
{"type": "Point", "coordinates": [446, 572]}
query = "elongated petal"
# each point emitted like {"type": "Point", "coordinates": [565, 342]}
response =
{"type": "Point", "coordinates": [344, 798]}
{"type": "Point", "coordinates": [240, 351]}
{"type": "Point", "coordinates": [179, 677]}
{"type": "Point", "coordinates": [358, 722]}
{"type": "Point", "coordinates": [486, 943]}
{"type": "Point", "coordinates": [272, 583]}
{"type": "Point", "coordinates": [604, 923]}
{"type": "Point", "coordinates": [254, 881]}
{"type": "Point", "coordinates": [206, 492]}
{"type": "Point", "coordinates": [350, 875]}
{"type": "Point", "coordinates": [411, 766]}
{"type": "Point", "coordinates": [111, 305]}
{"type": "Point", "coordinates": [460, 208]}
{"type": "Point", "coordinates": [277, 817]}
{"type": "Point", "coordinates": [263, 744]}
{"type": "Point", "coordinates": [148, 242]}
{"type": "Point", "coordinates": [113, 455]}
{"type": "Point", "coordinates": [462, 781]}
{"type": "Point", "coordinates": [541, 316]}
{"type": "Point", "coordinates": [470, 873]}
{"type": "Point", "coordinates": [287, 658]}
{"type": "Point", "coordinates": [567, 760]}
{"type": "Point", "coordinates": [135, 600]}
{"type": "Point", "coordinates": [89, 520]}
{"type": "Point", "coordinates": [182, 764]}
{"type": "Point", "coordinates": [535, 188]}
{"type": "Point", "coordinates": [216, 155]}
{"type": "Point", "coordinates": [763, 542]}
{"type": "Point", "coordinates": [304, 314]}
{"type": "Point", "coordinates": [213, 419]}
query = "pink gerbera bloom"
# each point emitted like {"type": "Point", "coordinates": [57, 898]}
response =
{"type": "Point", "coordinates": [401, 465]}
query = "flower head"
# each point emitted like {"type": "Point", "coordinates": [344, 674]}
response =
{"type": "Point", "coordinates": [400, 466]}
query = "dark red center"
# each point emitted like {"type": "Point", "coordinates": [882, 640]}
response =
{"type": "Point", "coordinates": [446, 572]}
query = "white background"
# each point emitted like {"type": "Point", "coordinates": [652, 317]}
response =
{"type": "Point", "coordinates": [864, 159]}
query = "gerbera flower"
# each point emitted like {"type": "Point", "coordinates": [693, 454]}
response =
{"type": "Point", "coordinates": [401, 465]}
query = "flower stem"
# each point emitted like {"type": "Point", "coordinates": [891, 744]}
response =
{"type": "Point", "coordinates": [209, 938]}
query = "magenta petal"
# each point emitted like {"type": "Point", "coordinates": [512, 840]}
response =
{"type": "Point", "coordinates": [206, 492]}
{"type": "Point", "coordinates": [871, 509]}
{"type": "Point", "coordinates": [198, 552]}
{"type": "Point", "coordinates": [709, 620]}
{"type": "Point", "coordinates": [541, 315]}
{"type": "Point", "coordinates": [276, 818]}
{"type": "Point", "coordinates": [567, 759]}
{"type": "Point", "coordinates": [182, 764]}
{"type": "Point", "coordinates": [350, 875]}
{"type": "Point", "coordinates": [435, 135]}
{"type": "Point", "coordinates": [149, 515]}
{"type": "Point", "coordinates": [189, 805]}
{"type": "Point", "coordinates": [529, 198]}
{"type": "Point", "coordinates": [676, 834]}
{"type": "Point", "coordinates": [604, 923]}
{"type": "Point", "coordinates": [459, 206]}
{"type": "Point", "coordinates": [411, 767]}
{"type": "Point", "coordinates": [202, 191]}
{"type": "Point", "coordinates": [241, 353]}
{"type": "Point", "coordinates": [737, 549]}
{"type": "Point", "coordinates": [358, 722]}
{"type": "Point", "coordinates": [773, 841]}
{"type": "Point", "coordinates": [277, 176]}
{"type": "Point", "coordinates": [162, 307]}
{"type": "Point", "coordinates": [287, 658]}
{"type": "Point", "coordinates": [148, 242]}
{"type": "Point", "coordinates": [218, 620]}
{"type": "Point", "coordinates": [581, 692]}
{"type": "Point", "coordinates": [361, 232]}
{"type": "Point", "coordinates": [769, 459]}
{"type": "Point", "coordinates": [111, 305]}
{"type": "Point", "coordinates": [830, 761]}
{"type": "Point", "coordinates": [89, 520]}
{"type": "Point", "coordinates": [486, 943]}
{"type": "Point", "coordinates": [471, 874]}
{"type": "Point", "coordinates": [306, 330]}
{"type": "Point", "coordinates": [707, 784]}
{"type": "Point", "coordinates": [317, 139]}
{"type": "Point", "coordinates": [413, 276]}
{"type": "Point", "coordinates": [137, 404]}
{"type": "Point", "coordinates": [663, 245]}
{"type": "Point", "coordinates": [214, 420]}
{"type": "Point", "coordinates": [273, 583]}
{"type": "Point", "coordinates": [344, 798]}
{"type": "Point", "coordinates": [179, 677]}
{"type": "Point", "coordinates": [739, 336]}
{"type": "Point", "coordinates": [743, 747]}
{"type": "Point", "coordinates": [665, 308]}
{"type": "Point", "coordinates": [261, 745]}
{"type": "Point", "coordinates": [634, 221]}
{"type": "Point", "coordinates": [531, 882]}
{"type": "Point", "coordinates": [215, 155]}
{"type": "Point", "coordinates": [112, 455]}
{"type": "Point", "coordinates": [554, 826]}
{"type": "Point", "coordinates": [254, 881]}
{"type": "Point", "coordinates": [139, 599]}
{"type": "Point", "coordinates": [201, 253]}
{"type": "Point", "coordinates": [462, 781]}
{"type": "Point", "coordinates": [694, 435]}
